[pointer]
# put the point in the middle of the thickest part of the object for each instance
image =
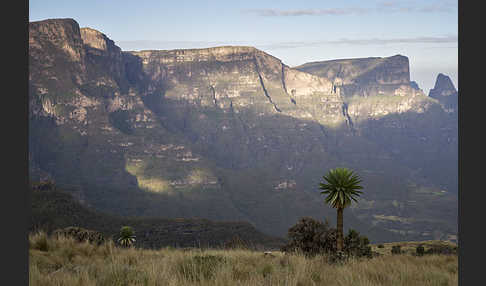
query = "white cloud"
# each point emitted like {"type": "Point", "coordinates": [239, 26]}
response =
{"type": "Point", "coordinates": [385, 7]}
{"type": "Point", "coordinates": [307, 12]}
{"type": "Point", "coordinates": [163, 45]}
{"type": "Point", "coordinates": [369, 41]}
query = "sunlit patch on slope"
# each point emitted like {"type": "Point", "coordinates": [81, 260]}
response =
{"type": "Point", "coordinates": [152, 177]}
{"type": "Point", "coordinates": [379, 106]}
{"type": "Point", "coordinates": [148, 183]}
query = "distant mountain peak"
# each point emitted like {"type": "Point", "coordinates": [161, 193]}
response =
{"type": "Point", "coordinates": [445, 92]}
{"type": "Point", "coordinates": [443, 86]}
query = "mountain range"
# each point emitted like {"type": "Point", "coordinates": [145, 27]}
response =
{"type": "Point", "coordinates": [233, 134]}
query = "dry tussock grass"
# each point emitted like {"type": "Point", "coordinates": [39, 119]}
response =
{"type": "Point", "coordinates": [63, 261]}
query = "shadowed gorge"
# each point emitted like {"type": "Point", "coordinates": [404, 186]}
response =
{"type": "Point", "coordinates": [233, 134]}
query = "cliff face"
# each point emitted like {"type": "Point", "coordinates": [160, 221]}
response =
{"type": "Point", "coordinates": [103, 54]}
{"type": "Point", "coordinates": [63, 69]}
{"type": "Point", "coordinates": [241, 78]}
{"type": "Point", "coordinates": [232, 133]}
{"type": "Point", "coordinates": [373, 88]}
{"type": "Point", "coordinates": [366, 76]}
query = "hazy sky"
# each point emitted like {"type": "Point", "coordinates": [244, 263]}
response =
{"type": "Point", "coordinates": [425, 31]}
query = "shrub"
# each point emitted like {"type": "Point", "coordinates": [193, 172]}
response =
{"type": "Point", "coordinates": [420, 250]}
{"type": "Point", "coordinates": [338, 257]}
{"type": "Point", "coordinates": [236, 243]}
{"type": "Point", "coordinates": [312, 237]}
{"type": "Point", "coordinates": [396, 249]}
{"type": "Point", "coordinates": [356, 245]}
{"type": "Point", "coordinates": [381, 246]}
{"type": "Point", "coordinates": [441, 249]}
{"type": "Point", "coordinates": [81, 234]}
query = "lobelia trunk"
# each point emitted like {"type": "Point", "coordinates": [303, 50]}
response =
{"type": "Point", "coordinates": [339, 238]}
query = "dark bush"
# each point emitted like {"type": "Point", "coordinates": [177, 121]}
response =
{"type": "Point", "coordinates": [43, 185]}
{"type": "Point", "coordinates": [81, 234]}
{"type": "Point", "coordinates": [376, 254]}
{"type": "Point", "coordinates": [312, 237]}
{"type": "Point", "coordinates": [356, 245]}
{"type": "Point", "coordinates": [396, 249]}
{"type": "Point", "coordinates": [441, 249]}
{"type": "Point", "coordinates": [236, 243]}
{"type": "Point", "coordinates": [381, 246]}
{"type": "Point", "coordinates": [420, 250]}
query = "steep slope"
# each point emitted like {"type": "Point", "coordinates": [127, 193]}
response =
{"type": "Point", "coordinates": [231, 133]}
{"type": "Point", "coordinates": [52, 209]}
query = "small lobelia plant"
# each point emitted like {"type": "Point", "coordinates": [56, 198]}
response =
{"type": "Point", "coordinates": [420, 250]}
{"type": "Point", "coordinates": [127, 236]}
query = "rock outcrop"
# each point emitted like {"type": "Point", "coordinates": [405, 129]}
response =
{"type": "Point", "coordinates": [445, 92]}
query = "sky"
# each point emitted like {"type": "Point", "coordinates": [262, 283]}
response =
{"type": "Point", "coordinates": [296, 32]}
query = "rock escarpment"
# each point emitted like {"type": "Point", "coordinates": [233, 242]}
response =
{"type": "Point", "coordinates": [232, 133]}
{"type": "Point", "coordinates": [241, 78]}
{"type": "Point", "coordinates": [366, 76]}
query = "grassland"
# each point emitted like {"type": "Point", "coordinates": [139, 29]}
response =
{"type": "Point", "coordinates": [63, 261]}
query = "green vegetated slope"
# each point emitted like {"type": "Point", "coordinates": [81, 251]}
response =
{"type": "Point", "coordinates": [56, 209]}
{"type": "Point", "coordinates": [232, 133]}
